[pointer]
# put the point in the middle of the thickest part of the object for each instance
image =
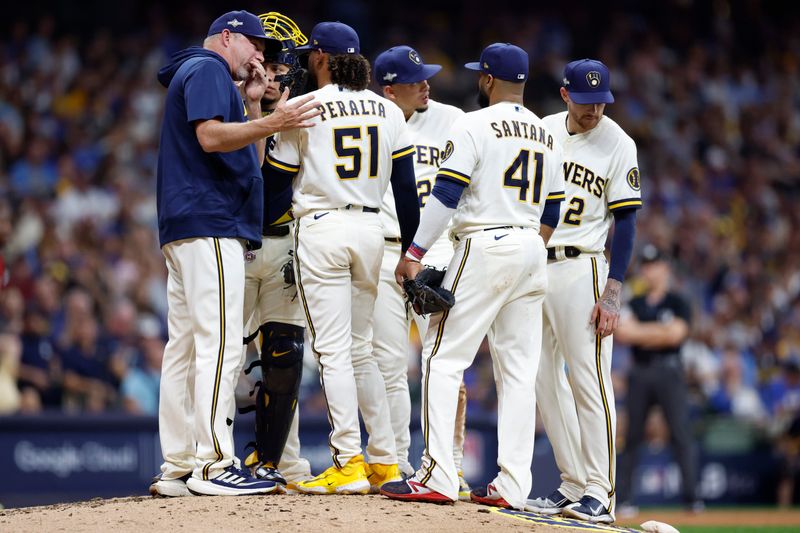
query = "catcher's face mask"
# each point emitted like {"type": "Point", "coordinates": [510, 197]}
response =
{"type": "Point", "coordinates": [281, 27]}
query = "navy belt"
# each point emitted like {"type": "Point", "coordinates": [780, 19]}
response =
{"type": "Point", "coordinates": [276, 231]}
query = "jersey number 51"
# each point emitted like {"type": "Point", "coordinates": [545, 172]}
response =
{"type": "Point", "coordinates": [342, 138]}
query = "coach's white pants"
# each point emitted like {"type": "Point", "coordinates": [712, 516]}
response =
{"type": "Point", "coordinates": [267, 298]}
{"type": "Point", "coordinates": [577, 408]}
{"type": "Point", "coordinates": [205, 290]}
{"type": "Point", "coordinates": [338, 257]}
{"type": "Point", "coordinates": [499, 287]}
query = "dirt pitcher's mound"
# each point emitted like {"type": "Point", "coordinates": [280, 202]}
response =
{"type": "Point", "coordinates": [368, 514]}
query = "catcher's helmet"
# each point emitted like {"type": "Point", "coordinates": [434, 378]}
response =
{"type": "Point", "coordinates": [281, 27]}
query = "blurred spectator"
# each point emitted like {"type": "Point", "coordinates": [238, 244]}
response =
{"type": "Point", "coordinates": [88, 382]}
{"type": "Point", "coordinates": [9, 365]}
{"type": "Point", "coordinates": [40, 367]}
{"type": "Point", "coordinates": [12, 309]}
{"type": "Point", "coordinates": [5, 233]}
{"type": "Point", "coordinates": [36, 174]}
{"type": "Point", "coordinates": [782, 394]}
{"type": "Point", "coordinates": [733, 396]}
{"type": "Point", "coordinates": [140, 386]}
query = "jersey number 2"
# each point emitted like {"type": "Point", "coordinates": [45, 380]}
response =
{"type": "Point", "coordinates": [352, 169]}
{"type": "Point", "coordinates": [516, 175]}
{"type": "Point", "coordinates": [573, 214]}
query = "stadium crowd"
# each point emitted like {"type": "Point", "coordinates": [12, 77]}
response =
{"type": "Point", "coordinates": [709, 91]}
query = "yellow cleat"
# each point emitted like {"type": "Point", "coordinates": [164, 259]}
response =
{"type": "Point", "coordinates": [252, 462]}
{"type": "Point", "coordinates": [350, 479]}
{"type": "Point", "coordinates": [378, 474]}
{"type": "Point", "coordinates": [463, 488]}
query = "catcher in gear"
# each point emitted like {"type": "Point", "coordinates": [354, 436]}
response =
{"type": "Point", "coordinates": [425, 293]}
{"type": "Point", "coordinates": [272, 311]}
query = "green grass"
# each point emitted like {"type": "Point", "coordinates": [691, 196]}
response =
{"type": "Point", "coordinates": [731, 529]}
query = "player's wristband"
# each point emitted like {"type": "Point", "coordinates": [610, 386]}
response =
{"type": "Point", "coordinates": [415, 252]}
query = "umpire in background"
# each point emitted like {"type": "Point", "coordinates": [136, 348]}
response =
{"type": "Point", "coordinates": [656, 329]}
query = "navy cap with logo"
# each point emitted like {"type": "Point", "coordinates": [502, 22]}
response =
{"type": "Point", "coordinates": [650, 254]}
{"type": "Point", "coordinates": [504, 61]}
{"type": "Point", "coordinates": [402, 64]}
{"type": "Point", "coordinates": [332, 38]}
{"type": "Point", "coordinates": [588, 82]}
{"type": "Point", "coordinates": [242, 22]}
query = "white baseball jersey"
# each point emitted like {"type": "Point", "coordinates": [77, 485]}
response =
{"type": "Point", "coordinates": [601, 174]}
{"type": "Point", "coordinates": [529, 153]}
{"type": "Point", "coordinates": [429, 132]}
{"type": "Point", "coordinates": [346, 150]}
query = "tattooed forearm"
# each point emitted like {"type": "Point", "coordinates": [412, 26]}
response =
{"type": "Point", "coordinates": [610, 301]}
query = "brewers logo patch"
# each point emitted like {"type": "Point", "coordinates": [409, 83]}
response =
{"type": "Point", "coordinates": [413, 56]}
{"type": "Point", "coordinates": [448, 151]}
{"type": "Point", "coordinates": [593, 78]}
{"type": "Point", "coordinates": [633, 179]}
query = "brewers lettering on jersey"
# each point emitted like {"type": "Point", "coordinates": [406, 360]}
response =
{"type": "Point", "coordinates": [343, 167]}
{"type": "Point", "coordinates": [581, 308]}
{"type": "Point", "coordinates": [502, 177]}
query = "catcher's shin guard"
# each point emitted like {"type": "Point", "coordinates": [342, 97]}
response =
{"type": "Point", "coordinates": [276, 399]}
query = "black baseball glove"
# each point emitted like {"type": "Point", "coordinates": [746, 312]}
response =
{"type": "Point", "coordinates": [425, 293]}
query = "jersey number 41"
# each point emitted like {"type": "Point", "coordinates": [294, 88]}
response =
{"type": "Point", "coordinates": [516, 175]}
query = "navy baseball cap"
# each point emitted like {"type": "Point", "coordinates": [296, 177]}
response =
{"type": "Point", "coordinates": [242, 22]}
{"type": "Point", "coordinates": [650, 254]}
{"type": "Point", "coordinates": [402, 64]}
{"type": "Point", "coordinates": [333, 38]}
{"type": "Point", "coordinates": [588, 82]}
{"type": "Point", "coordinates": [504, 61]}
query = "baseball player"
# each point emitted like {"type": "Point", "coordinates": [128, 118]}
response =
{"type": "Point", "coordinates": [343, 167]}
{"type": "Point", "coordinates": [404, 79]}
{"type": "Point", "coordinates": [272, 311]}
{"type": "Point", "coordinates": [581, 309]}
{"type": "Point", "coordinates": [209, 204]}
{"type": "Point", "coordinates": [501, 174]}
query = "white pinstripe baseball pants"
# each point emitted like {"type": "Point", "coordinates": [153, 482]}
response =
{"type": "Point", "coordinates": [205, 292]}
{"type": "Point", "coordinates": [578, 412]}
{"type": "Point", "coordinates": [499, 287]}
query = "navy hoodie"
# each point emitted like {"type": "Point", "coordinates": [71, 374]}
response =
{"type": "Point", "coordinates": [203, 194]}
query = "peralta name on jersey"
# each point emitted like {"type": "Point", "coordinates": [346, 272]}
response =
{"type": "Point", "coordinates": [523, 130]}
{"type": "Point", "coordinates": [351, 108]}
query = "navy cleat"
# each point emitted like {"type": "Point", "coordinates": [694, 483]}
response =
{"type": "Point", "coordinates": [269, 473]}
{"type": "Point", "coordinates": [589, 509]}
{"type": "Point", "coordinates": [413, 491]}
{"type": "Point", "coordinates": [549, 505]}
{"type": "Point", "coordinates": [231, 482]}
{"type": "Point", "coordinates": [488, 495]}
